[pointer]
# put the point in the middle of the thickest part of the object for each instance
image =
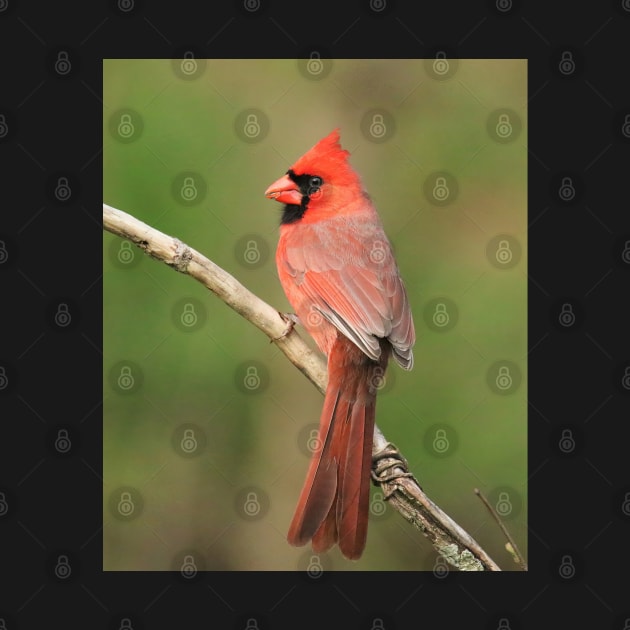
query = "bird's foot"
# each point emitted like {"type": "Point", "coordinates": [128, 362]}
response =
{"type": "Point", "coordinates": [292, 319]}
{"type": "Point", "coordinates": [387, 466]}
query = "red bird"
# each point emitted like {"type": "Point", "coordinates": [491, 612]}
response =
{"type": "Point", "coordinates": [339, 274]}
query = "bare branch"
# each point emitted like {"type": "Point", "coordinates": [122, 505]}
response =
{"type": "Point", "coordinates": [390, 471]}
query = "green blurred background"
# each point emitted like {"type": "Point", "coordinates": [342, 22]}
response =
{"type": "Point", "coordinates": [206, 425]}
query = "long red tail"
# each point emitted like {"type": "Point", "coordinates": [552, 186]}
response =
{"type": "Point", "coordinates": [333, 505]}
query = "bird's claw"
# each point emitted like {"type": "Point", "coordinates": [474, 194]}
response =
{"type": "Point", "coordinates": [291, 319]}
{"type": "Point", "coordinates": [387, 466]}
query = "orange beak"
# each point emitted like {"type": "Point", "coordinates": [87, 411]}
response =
{"type": "Point", "coordinates": [285, 190]}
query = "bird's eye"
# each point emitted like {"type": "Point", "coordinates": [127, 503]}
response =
{"type": "Point", "coordinates": [315, 182]}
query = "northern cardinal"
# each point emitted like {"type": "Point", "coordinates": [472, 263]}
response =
{"type": "Point", "coordinates": [339, 274]}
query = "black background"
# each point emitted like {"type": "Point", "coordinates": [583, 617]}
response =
{"type": "Point", "coordinates": [52, 375]}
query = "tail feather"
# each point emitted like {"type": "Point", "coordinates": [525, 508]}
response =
{"type": "Point", "coordinates": [327, 534]}
{"type": "Point", "coordinates": [334, 502]}
{"type": "Point", "coordinates": [320, 488]}
{"type": "Point", "coordinates": [354, 482]}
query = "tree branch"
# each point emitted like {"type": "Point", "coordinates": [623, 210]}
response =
{"type": "Point", "coordinates": [389, 469]}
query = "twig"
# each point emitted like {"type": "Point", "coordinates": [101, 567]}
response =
{"type": "Point", "coordinates": [513, 547]}
{"type": "Point", "coordinates": [389, 470]}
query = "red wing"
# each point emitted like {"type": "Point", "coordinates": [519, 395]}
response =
{"type": "Point", "coordinates": [356, 288]}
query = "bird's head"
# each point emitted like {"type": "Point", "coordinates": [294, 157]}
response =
{"type": "Point", "coordinates": [319, 183]}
